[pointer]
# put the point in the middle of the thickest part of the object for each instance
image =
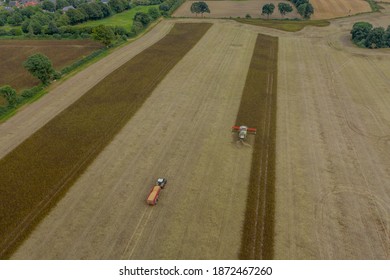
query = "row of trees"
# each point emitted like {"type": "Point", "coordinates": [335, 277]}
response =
{"type": "Point", "coordinates": [83, 10]}
{"type": "Point", "coordinates": [141, 20]}
{"type": "Point", "coordinates": [365, 35]}
{"type": "Point", "coordinates": [283, 8]}
{"type": "Point", "coordinates": [304, 8]}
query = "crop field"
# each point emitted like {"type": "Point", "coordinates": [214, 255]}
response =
{"type": "Point", "coordinates": [258, 109]}
{"type": "Point", "coordinates": [54, 156]}
{"type": "Point", "coordinates": [312, 184]}
{"type": "Point", "coordinates": [61, 52]}
{"type": "Point", "coordinates": [338, 8]}
{"type": "Point", "coordinates": [227, 9]}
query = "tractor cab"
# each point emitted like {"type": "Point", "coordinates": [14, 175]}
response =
{"type": "Point", "coordinates": [161, 182]}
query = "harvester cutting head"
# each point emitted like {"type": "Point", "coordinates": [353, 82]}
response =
{"type": "Point", "coordinates": [243, 131]}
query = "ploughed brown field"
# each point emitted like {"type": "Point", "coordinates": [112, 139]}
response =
{"type": "Point", "coordinates": [62, 53]}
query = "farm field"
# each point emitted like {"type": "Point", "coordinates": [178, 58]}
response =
{"type": "Point", "coordinates": [338, 8]}
{"type": "Point", "coordinates": [226, 9]}
{"type": "Point", "coordinates": [182, 133]}
{"type": "Point", "coordinates": [75, 136]}
{"type": "Point", "coordinates": [332, 175]}
{"type": "Point", "coordinates": [332, 181]}
{"type": "Point", "coordinates": [61, 52]}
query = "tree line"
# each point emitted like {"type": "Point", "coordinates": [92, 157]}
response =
{"type": "Point", "coordinates": [304, 8]}
{"type": "Point", "coordinates": [365, 35]}
{"type": "Point", "coordinates": [50, 19]}
{"type": "Point", "coordinates": [283, 8]}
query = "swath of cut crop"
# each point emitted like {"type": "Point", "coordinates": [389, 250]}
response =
{"type": "Point", "coordinates": [35, 175]}
{"type": "Point", "coordinates": [258, 109]}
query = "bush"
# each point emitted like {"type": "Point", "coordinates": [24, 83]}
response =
{"type": "Point", "coordinates": [137, 27]}
{"type": "Point", "coordinates": [364, 35]}
{"type": "Point", "coordinates": [375, 38]}
{"type": "Point", "coordinates": [28, 93]}
{"type": "Point", "coordinates": [15, 32]}
{"type": "Point", "coordinates": [143, 18]}
{"type": "Point", "coordinates": [154, 13]}
{"type": "Point", "coordinates": [360, 31]}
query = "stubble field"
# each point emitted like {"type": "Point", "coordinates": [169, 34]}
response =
{"type": "Point", "coordinates": [332, 172]}
{"type": "Point", "coordinates": [332, 175]}
{"type": "Point", "coordinates": [338, 8]}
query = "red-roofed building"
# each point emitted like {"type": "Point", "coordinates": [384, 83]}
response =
{"type": "Point", "coordinates": [30, 3]}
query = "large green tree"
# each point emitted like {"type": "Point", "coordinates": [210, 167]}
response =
{"type": "Point", "coordinates": [48, 6]}
{"type": "Point", "coordinates": [305, 10]}
{"type": "Point", "coordinates": [41, 67]}
{"type": "Point", "coordinates": [75, 16]}
{"type": "Point", "coordinates": [199, 8]}
{"type": "Point", "coordinates": [284, 8]}
{"type": "Point", "coordinates": [268, 9]}
{"type": "Point", "coordinates": [10, 95]}
{"type": "Point", "coordinates": [375, 38]}
{"type": "Point", "coordinates": [103, 34]}
{"type": "Point", "coordinates": [360, 31]}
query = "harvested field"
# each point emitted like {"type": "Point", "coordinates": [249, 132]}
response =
{"type": "Point", "coordinates": [53, 157]}
{"type": "Point", "coordinates": [182, 132]}
{"type": "Point", "coordinates": [332, 175]}
{"type": "Point", "coordinates": [326, 9]}
{"type": "Point", "coordinates": [258, 109]}
{"type": "Point", "coordinates": [227, 9]}
{"type": "Point", "coordinates": [62, 53]}
{"type": "Point", "coordinates": [332, 165]}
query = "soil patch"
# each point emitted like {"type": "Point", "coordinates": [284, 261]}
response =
{"type": "Point", "coordinates": [61, 53]}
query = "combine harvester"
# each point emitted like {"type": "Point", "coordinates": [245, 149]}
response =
{"type": "Point", "coordinates": [243, 131]}
{"type": "Point", "coordinates": [155, 191]}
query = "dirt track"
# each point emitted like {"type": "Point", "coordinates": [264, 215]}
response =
{"type": "Point", "coordinates": [333, 176]}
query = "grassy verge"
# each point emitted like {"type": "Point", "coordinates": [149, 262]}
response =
{"type": "Point", "coordinates": [35, 175]}
{"type": "Point", "coordinates": [285, 25]}
{"type": "Point", "coordinates": [258, 109]}
{"type": "Point", "coordinates": [374, 5]}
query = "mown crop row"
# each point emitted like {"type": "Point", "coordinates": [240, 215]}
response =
{"type": "Point", "coordinates": [38, 172]}
{"type": "Point", "coordinates": [258, 109]}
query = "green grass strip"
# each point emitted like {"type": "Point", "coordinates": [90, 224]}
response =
{"type": "Point", "coordinates": [258, 109]}
{"type": "Point", "coordinates": [124, 19]}
{"type": "Point", "coordinates": [35, 175]}
{"type": "Point", "coordinates": [285, 25]}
